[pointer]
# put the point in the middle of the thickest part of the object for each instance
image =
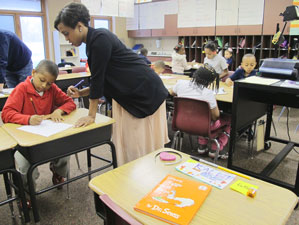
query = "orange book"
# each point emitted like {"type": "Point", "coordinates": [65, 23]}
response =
{"type": "Point", "coordinates": [174, 200]}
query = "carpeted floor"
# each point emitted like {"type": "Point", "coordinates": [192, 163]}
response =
{"type": "Point", "coordinates": [56, 209]}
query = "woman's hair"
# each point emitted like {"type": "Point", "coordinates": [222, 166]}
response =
{"type": "Point", "coordinates": [71, 14]}
{"type": "Point", "coordinates": [211, 45]}
{"type": "Point", "coordinates": [47, 66]}
{"type": "Point", "coordinates": [178, 47]}
{"type": "Point", "coordinates": [204, 76]}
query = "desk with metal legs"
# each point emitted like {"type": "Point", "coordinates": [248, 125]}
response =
{"type": "Point", "coordinates": [129, 183]}
{"type": "Point", "coordinates": [39, 149]}
{"type": "Point", "coordinates": [7, 166]}
{"type": "Point", "coordinates": [252, 101]}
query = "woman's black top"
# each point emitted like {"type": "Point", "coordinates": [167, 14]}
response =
{"type": "Point", "coordinates": [119, 73]}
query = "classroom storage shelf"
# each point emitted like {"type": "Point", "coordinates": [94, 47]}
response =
{"type": "Point", "coordinates": [260, 45]}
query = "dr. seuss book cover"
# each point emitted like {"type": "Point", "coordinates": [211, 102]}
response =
{"type": "Point", "coordinates": [174, 200]}
{"type": "Point", "coordinates": [206, 174]}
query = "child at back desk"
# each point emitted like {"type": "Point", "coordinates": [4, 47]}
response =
{"type": "Point", "coordinates": [159, 67]}
{"type": "Point", "coordinates": [228, 55]}
{"type": "Point", "coordinates": [247, 69]}
{"type": "Point", "coordinates": [215, 60]}
{"type": "Point", "coordinates": [179, 60]}
{"type": "Point", "coordinates": [32, 101]}
{"type": "Point", "coordinates": [198, 88]}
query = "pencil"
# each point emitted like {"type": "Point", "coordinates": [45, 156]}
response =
{"type": "Point", "coordinates": [220, 167]}
{"type": "Point", "coordinates": [33, 106]}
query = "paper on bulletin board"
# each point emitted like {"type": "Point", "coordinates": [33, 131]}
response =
{"type": "Point", "coordinates": [94, 6]}
{"type": "Point", "coordinates": [227, 12]}
{"type": "Point", "coordinates": [242, 187]}
{"type": "Point", "coordinates": [205, 14]}
{"type": "Point", "coordinates": [132, 23]}
{"type": "Point", "coordinates": [251, 12]}
{"type": "Point", "coordinates": [126, 8]}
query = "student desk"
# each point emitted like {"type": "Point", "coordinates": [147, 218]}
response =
{"type": "Point", "coordinates": [252, 101]}
{"type": "Point", "coordinates": [224, 101]}
{"type": "Point", "coordinates": [63, 81]}
{"type": "Point", "coordinates": [3, 99]}
{"type": "Point", "coordinates": [129, 183]}
{"type": "Point", "coordinates": [4, 96]}
{"type": "Point", "coordinates": [7, 165]}
{"type": "Point", "coordinates": [39, 149]}
{"type": "Point", "coordinates": [67, 68]}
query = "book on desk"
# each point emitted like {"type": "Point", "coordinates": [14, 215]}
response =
{"type": "Point", "coordinates": [174, 200]}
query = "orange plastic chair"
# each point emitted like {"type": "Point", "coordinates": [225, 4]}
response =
{"type": "Point", "coordinates": [79, 69]}
{"type": "Point", "coordinates": [193, 117]}
{"type": "Point", "coordinates": [115, 215]}
{"type": "Point", "coordinates": [223, 79]}
{"type": "Point", "coordinates": [63, 72]}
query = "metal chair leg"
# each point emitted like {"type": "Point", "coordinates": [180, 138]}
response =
{"type": "Point", "coordinates": [217, 151]}
{"type": "Point", "coordinates": [67, 185]}
{"type": "Point", "coordinates": [77, 159]}
{"type": "Point", "coordinates": [173, 144]}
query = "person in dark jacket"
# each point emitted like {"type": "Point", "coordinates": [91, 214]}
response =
{"type": "Point", "coordinates": [137, 93]}
{"type": "Point", "coordinates": [15, 60]}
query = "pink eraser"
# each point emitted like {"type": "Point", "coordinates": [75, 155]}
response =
{"type": "Point", "coordinates": [165, 156]}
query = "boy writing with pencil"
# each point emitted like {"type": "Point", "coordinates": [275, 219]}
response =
{"type": "Point", "coordinates": [33, 100]}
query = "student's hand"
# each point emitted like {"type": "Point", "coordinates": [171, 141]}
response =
{"type": "Point", "coordinates": [56, 116]}
{"type": "Point", "coordinates": [1, 87]}
{"type": "Point", "coordinates": [84, 121]}
{"type": "Point", "coordinates": [35, 119]}
{"type": "Point", "coordinates": [229, 82]}
{"type": "Point", "coordinates": [73, 92]}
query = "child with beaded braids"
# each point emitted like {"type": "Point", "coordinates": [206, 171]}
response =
{"type": "Point", "coordinates": [198, 88]}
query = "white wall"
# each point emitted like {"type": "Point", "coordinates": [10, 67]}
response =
{"type": "Point", "coordinates": [166, 43]}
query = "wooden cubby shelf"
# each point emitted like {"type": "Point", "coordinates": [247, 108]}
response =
{"type": "Point", "coordinates": [260, 45]}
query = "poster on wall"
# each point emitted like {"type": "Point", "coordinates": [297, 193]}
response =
{"type": "Point", "coordinates": [294, 26]}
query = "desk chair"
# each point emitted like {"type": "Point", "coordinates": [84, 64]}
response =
{"type": "Point", "coordinates": [79, 69]}
{"type": "Point", "coordinates": [115, 215]}
{"type": "Point", "coordinates": [193, 116]}
{"type": "Point", "coordinates": [223, 79]}
{"type": "Point", "coordinates": [63, 72]}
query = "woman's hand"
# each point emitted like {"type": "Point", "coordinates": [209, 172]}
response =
{"type": "Point", "coordinates": [73, 92]}
{"type": "Point", "coordinates": [35, 119]}
{"type": "Point", "coordinates": [84, 121]}
{"type": "Point", "coordinates": [55, 116]}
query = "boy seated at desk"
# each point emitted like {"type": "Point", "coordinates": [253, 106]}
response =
{"type": "Point", "coordinates": [159, 67]}
{"type": "Point", "coordinates": [198, 88]}
{"type": "Point", "coordinates": [36, 99]}
{"type": "Point", "coordinates": [246, 70]}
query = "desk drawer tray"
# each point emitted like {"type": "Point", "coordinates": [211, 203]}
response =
{"type": "Point", "coordinates": [67, 145]}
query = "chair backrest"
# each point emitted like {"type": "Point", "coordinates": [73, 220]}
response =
{"type": "Point", "coordinates": [191, 116]}
{"type": "Point", "coordinates": [227, 76]}
{"type": "Point", "coordinates": [115, 214]}
{"type": "Point", "coordinates": [79, 69]}
{"type": "Point", "coordinates": [63, 72]}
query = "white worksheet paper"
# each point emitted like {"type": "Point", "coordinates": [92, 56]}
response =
{"type": "Point", "coordinates": [46, 128]}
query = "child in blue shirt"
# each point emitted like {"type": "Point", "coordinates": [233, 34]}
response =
{"type": "Point", "coordinates": [143, 55]}
{"type": "Point", "coordinates": [228, 55]}
{"type": "Point", "coordinates": [247, 69]}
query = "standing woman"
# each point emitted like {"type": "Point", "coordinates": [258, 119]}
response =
{"type": "Point", "coordinates": [137, 93]}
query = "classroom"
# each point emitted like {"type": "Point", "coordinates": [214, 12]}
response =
{"type": "Point", "coordinates": [119, 111]}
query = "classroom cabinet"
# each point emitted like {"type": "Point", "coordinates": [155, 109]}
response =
{"type": "Point", "coordinates": [170, 27]}
{"type": "Point", "coordinates": [140, 33]}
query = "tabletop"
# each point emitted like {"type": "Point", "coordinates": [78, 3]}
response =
{"type": "Point", "coordinates": [7, 142]}
{"type": "Point", "coordinates": [26, 139]}
{"type": "Point", "coordinates": [129, 183]}
{"type": "Point", "coordinates": [72, 76]}
{"type": "Point", "coordinates": [170, 80]}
